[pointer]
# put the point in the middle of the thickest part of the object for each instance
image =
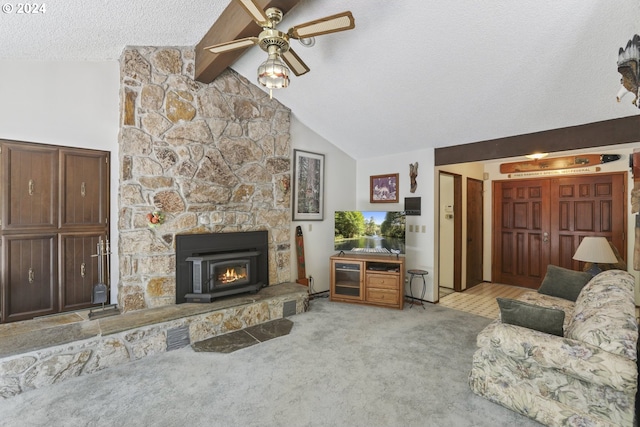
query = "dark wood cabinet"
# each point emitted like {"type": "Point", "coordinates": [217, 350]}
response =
{"type": "Point", "coordinates": [83, 189]}
{"type": "Point", "coordinates": [79, 268]}
{"type": "Point", "coordinates": [29, 187]}
{"type": "Point", "coordinates": [54, 209]}
{"type": "Point", "coordinates": [30, 271]}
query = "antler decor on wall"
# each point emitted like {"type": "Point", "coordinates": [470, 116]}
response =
{"type": "Point", "coordinates": [413, 174]}
{"type": "Point", "coordinates": [629, 67]}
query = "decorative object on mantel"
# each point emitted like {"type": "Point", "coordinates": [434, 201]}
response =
{"type": "Point", "coordinates": [564, 162]}
{"type": "Point", "coordinates": [629, 68]}
{"type": "Point", "coordinates": [413, 174]}
{"type": "Point", "coordinates": [155, 218]}
{"type": "Point", "coordinates": [308, 186]}
{"type": "Point", "coordinates": [273, 73]}
{"type": "Point", "coordinates": [384, 188]}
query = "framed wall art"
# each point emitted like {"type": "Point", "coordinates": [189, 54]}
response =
{"type": "Point", "coordinates": [384, 188]}
{"type": "Point", "coordinates": [308, 186]}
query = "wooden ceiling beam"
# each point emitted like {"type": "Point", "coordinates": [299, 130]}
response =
{"type": "Point", "coordinates": [234, 23]}
{"type": "Point", "coordinates": [609, 132]}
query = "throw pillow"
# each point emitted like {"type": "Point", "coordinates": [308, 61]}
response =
{"type": "Point", "coordinates": [543, 319]}
{"type": "Point", "coordinates": [563, 283]}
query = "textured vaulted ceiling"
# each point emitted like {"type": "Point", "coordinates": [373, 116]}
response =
{"type": "Point", "coordinates": [412, 74]}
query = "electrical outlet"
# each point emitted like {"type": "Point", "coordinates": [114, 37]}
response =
{"type": "Point", "coordinates": [410, 228]}
{"type": "Point", "coordinates": [424, 228]}
{"type": "Point", "coordinates": [310, 227]}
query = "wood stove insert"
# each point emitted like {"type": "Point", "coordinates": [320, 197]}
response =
{"type": "Point", "coordinates": [209, 266]}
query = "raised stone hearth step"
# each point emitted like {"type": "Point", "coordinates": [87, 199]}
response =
{"type": "Point", "coordinates": [50, 352]}
{"type": "Point", "coordinates": [252, 335]}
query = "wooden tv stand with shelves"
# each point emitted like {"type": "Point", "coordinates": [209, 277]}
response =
{"type": "Point", "coordinates": [368, 279]}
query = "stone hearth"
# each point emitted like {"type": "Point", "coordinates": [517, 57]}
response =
{"type": "Point", "coordinates": [40, 352]}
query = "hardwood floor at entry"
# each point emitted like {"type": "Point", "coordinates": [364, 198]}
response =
{"type": "Point", "coordinates": [481, 299]}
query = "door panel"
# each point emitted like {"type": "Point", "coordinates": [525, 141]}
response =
{"type": "Point", "coordinates": [542, 221]}
{"type": "Point", "coordinates": [29, 275]}
{"type": "Point", "coordinates": [592, 205]}
{"type": "Point", "coordinates": [84, 188]}
{"type": "Point", "coordinates": [521, 220]}
{"type": "Point", "coordinates": [474, 232]}
{"type": "Point", "coordinates": [30, 200]}
{"type": "Point", "coordinates": [79, 269]}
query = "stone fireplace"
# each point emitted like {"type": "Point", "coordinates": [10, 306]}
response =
{"type": "Point", "coordinates": [213, 265]}
{"type": "Point", "coordinates": [213, 158]}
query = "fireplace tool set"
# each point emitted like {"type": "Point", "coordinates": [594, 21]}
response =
{"type": "Point", "coordinates": [100, 291]}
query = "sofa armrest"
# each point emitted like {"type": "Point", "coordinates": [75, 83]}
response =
{"type": "Point", "coordinates": [570, 357]}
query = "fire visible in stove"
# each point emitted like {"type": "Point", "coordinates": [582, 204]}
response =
{"type": "Point", "coordinates": [230, 272]}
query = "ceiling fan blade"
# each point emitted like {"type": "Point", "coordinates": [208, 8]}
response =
{"type": "Point", "coordinates": [294, 62]}
{"type": "Point", "coordinates": [232, 45]}
{"type": "Point", "coordinates": [329, 24]}
{"type": "Point", "coordinates": [255, 11]}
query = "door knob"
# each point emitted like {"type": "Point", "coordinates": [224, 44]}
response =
{"type": "Point", "coordinates": [545, 237]}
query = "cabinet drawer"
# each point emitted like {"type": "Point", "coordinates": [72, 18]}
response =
{"type": "Point", "coordinates": [383, 296]}
{"type": "Point", "coordinates": [384, 281]}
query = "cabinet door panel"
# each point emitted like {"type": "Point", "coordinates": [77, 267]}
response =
{"type": "Point", "coordinates": [84, 189]}
{"type": "Point", "coordinates": [382, 281]}
{"type": "Point", "coordinates": [29, 276]}
{"type": "Point", "coordinates": [79, 269]}
{"type": "Point", "coordinates": [30, 191]}
{"type": "Point", "coordinates": [382, 296]}
{"type": "Point", "coordinates": [346, 280]}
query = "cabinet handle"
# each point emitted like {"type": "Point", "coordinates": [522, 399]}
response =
{"type": "Point", "coordinates": [31, 187]}
{"type": "Point", "coordinates": [32, 275]}
{"type": "Point", "coordinates": [83, 189]}
{"type": "Point", "coordinates": [83, 269]}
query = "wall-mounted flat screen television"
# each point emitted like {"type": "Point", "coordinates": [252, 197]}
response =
{"type": "Point", "coordinates": [373, 232]}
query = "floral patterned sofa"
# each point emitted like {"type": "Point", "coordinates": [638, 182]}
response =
{"type": "Point", "coordinates": [588, 377]}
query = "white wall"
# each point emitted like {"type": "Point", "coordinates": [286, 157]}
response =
{"type": "Point", "coordinates": [73, 104]}
{"type": "Point", "coordinates": [419, 244]}
{"type": "Point", "coordinates": [339, 194]}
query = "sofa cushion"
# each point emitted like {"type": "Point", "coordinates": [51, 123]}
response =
{"type": "Point", "coordinates": [542, 300]}
{"type": "Point", "coordinates": [605, 314]}
{"type": "Point", "coordinates": [563, 283]}
{"type": "Point", "coordinates": [543, 319]}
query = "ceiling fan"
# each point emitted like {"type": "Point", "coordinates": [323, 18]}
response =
{"type": "Point", "coordinates": [272, 73]}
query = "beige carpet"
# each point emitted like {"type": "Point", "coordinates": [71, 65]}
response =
{"type": "Point", "coordinates": [341, 365]}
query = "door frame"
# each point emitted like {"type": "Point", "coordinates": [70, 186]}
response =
{"type": "Point", "coordinates": [457, 229]}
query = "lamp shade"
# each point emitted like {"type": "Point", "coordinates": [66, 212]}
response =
{"type": "Point", "coordinates": [596, 250]}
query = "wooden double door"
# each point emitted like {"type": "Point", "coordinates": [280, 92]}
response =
{"type": "Point", "coordinates": [54, 207]}
{"type": "Point", "coordinates": [538, 222]}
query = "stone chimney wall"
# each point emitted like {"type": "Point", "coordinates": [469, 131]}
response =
{"type": "Point", "coordinates": [210, 158]}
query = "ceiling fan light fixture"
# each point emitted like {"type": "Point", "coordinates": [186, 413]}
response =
{"type": "Point", "coordinates": [273, 73]}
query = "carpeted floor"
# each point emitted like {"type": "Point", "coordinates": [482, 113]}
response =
{"type": "Point", "coordinates": [341, 365]}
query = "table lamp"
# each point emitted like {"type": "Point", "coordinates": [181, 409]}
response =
{"type": "Point", "coordinates": [595, 250]}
